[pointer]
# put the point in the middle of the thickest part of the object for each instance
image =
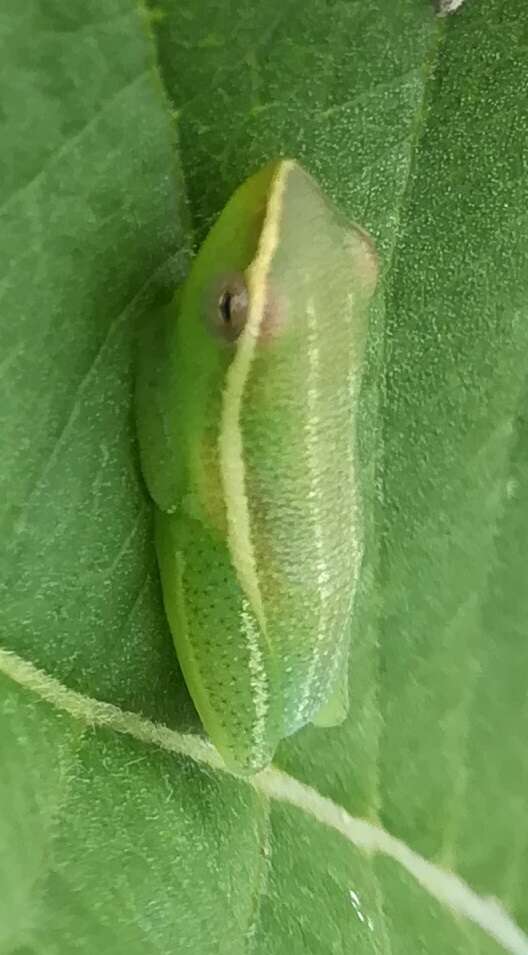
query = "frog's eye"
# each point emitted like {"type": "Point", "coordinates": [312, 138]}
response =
{"type": "Point", "coordinates": [228, 306]}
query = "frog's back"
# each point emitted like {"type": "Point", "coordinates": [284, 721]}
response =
{"type": "Point", "coordinates": [293, 503]}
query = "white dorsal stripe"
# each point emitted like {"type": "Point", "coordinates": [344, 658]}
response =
{"type": "Point", "coordinates": [444, 886]}
{"type": "Point", "coordinates": [231, 450]}
{"type": "Point", "coordinates": [258, 680]}
{"type": "Point", "coordinates": [312, 433]}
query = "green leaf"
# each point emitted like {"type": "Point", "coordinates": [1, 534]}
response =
{"type": "Point", "coordinates": [124, 131]}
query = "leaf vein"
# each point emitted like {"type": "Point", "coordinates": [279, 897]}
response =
{"type": "Point", "coordinates": [446, 887]}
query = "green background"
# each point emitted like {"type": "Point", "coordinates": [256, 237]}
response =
{"type": "Point", "coordinates": [124, 130]}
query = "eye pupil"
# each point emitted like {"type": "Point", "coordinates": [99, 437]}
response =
{"type": "Point", "coordinates": [228, 305]}
{"type": "Point", "coordinates": [225, 306]}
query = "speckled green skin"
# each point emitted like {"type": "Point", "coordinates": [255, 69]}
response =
{"type": "Point", "coordinates": [248, 449]}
